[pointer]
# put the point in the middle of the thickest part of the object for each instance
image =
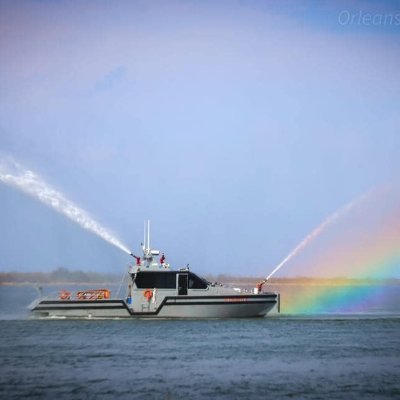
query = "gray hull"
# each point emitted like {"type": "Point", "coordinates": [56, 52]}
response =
{"type": "Point", "coordinates": [241, 306]}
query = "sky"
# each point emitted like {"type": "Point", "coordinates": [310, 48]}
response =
{"type": "Point", "coordinates": [236, 127]}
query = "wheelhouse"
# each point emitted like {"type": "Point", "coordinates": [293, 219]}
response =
{"type": "Point", "coordinates": [181, 280]}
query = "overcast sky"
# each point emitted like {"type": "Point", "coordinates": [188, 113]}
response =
{"type": "Point", "coordinates": [236, 127]}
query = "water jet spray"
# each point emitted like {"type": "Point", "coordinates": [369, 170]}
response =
{"type": "Point", "coordinates": [33, 185]}
{"type": "Point", "coordinates": [314, 234]}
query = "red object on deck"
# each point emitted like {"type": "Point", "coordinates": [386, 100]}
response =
{"type": "Point", "coordinates": [64, 295]}
{"type": "Point", "coordinates": [93, 294]}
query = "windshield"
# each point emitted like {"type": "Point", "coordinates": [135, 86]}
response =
{"type": "Point", "coordinates": [196, 282]}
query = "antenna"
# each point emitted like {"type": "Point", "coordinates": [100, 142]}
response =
{"type": "Point", "coordinates": [148, 234]}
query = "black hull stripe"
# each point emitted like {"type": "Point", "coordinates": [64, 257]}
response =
{"type": "Point", "coordinates": [199, 303]}
{"type": "Point", "coordinates": [121, 307]}
{"type": "Point", "coordinates": [227, 296]}
{"type": "Point", "coordinates": [183, 297]}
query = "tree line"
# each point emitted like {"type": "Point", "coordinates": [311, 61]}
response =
{"type": "Point", "coordinates": [60, 274]}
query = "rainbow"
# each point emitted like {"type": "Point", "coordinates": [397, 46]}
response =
{"type": "Point", "coordinates": [373, 254]}
{"type": "Point", "coordinates": [339, 298]}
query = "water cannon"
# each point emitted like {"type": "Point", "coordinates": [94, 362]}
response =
{"type": "Point", "coordinates": [259, 286]}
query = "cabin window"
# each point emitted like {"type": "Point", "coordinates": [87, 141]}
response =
{"type": "Point", "coordinates": [196, 283]}
{"type": "Point", "coordinates": [157, 280]}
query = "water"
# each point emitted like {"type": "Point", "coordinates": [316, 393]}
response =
{"type": "Point", "coordinates": [32, 184]}
{"type": "Point", "coordinates": [301, 357]}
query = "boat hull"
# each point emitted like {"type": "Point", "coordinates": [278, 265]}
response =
{"type": "Point", "coordinates": [240, 306]}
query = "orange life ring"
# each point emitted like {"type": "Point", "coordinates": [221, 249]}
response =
{"type": "Point", "coordinates": [148, 294]}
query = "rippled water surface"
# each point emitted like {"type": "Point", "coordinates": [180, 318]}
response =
{"type": "Point", "coordinates": [301, 357]}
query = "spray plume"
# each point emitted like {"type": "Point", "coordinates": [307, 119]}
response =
{"type": "Point", "coordinates": [317, 231]}
{"type": "Point", "coordinates": [35, 186]}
